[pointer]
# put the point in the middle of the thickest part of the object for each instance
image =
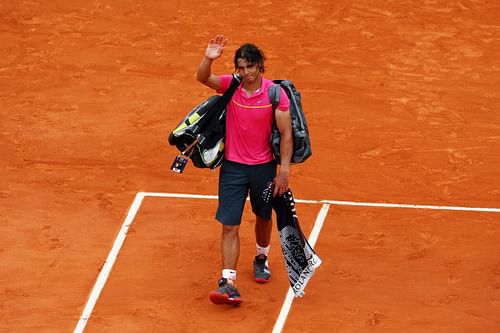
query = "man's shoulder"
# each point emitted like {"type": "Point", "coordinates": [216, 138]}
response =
{"type": "Point", "coordinates": [284, 101]}
{"type": "Point", "coordinates": [267, 83]}
{"type": "Point", "coordinates": [225, 82]}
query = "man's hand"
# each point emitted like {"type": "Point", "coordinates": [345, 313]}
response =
{"type": "Point", "coordinates": [204, 73]}
{"type": "Point", "coordinates": [281, 183]}
{"type": "Point", "coordinates": [215, 47]}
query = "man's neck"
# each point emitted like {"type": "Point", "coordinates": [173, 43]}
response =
{"type": "Point", "coordinates": [252, 87]}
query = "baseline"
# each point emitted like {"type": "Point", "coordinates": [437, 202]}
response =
{"type": "Point", "coordinates": [340, 203]}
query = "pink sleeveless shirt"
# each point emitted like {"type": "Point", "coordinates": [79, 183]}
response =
{"type": "Point", "coordinates": [249, 122]}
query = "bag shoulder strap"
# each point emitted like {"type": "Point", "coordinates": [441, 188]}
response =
{"type": "Point", "coordinates": [235, 82]}
{"type": "Point", "coordinates": [219, 107]}
{"type": "Point", "coordinates": [274, 94]}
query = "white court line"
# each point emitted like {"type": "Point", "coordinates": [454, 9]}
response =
{"type": "Point", "coordinates": [339, 203]}
{"type": "Point", "coordinates": [313, 237]}
{"type": "Point", "coordinates": [394, 205]}
{"type": "Point", "coordinates": [108, 264]}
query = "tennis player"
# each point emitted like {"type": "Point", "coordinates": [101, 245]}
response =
{"type": "Point", "coordinates": [248, 164]}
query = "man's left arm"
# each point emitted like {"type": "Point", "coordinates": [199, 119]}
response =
{"type": "Point", "coordinates": [284, 124]}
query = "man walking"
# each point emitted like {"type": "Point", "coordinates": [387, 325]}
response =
{"type": "Point", "coordinates": [248, 162]}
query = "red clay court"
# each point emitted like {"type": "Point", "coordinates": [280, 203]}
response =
{"type": "Point", "coordinates": [401, 195]}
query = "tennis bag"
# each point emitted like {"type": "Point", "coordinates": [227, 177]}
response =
{"type": "Point", "coordinates": [200, 135]}
{"type": "Point", "coordinates": [300, 133]}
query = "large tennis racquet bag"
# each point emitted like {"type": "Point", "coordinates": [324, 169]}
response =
{"type": "Point", "coordinates": [200, 135]}
{"type": "Point", "coordinates": [301, 141]}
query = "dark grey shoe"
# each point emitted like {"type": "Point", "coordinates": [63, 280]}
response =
{"type": "Point", "coordinates": [225, 294]}
{"type": "Point", "coordinates": [261, 270]}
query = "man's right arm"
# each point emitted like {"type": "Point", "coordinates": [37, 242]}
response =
{"type": "Point", "coordinates": [205, 76]}
{"type": "Point", "coordinates": [214, 50]}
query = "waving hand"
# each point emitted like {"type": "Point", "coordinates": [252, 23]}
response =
{"type": "Point", "coordinates": [215, 47]}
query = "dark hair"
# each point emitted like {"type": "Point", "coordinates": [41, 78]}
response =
{"type": "Point", "coordinates": [252, 54]}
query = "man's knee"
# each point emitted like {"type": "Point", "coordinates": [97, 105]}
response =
{"type": "Point", "coordinates": [230, 231]}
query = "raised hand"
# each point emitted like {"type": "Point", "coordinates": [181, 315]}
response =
{"type": "Point", "coordinates": [215, 47]}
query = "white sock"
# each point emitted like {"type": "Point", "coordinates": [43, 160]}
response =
{"type": "Point", "coordinates": [229, 274]}
{"type": "Point", "coordinates": [263, 250]}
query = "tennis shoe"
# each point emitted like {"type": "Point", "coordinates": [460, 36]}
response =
{"type": "Point", "coordinates": [225, 294]}
{"type": "Point", "coordinates": [261, 270]}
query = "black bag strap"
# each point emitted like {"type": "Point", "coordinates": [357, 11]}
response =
{"type": "Point", "coordinates": [219, 107]}
{"type": "Point", "coordinates": [274, 95]}
{"type": "Point", "coordinates": [235, 82]}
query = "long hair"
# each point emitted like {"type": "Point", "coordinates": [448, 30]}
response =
{"type": "Point", "coordinates": [252, 54]}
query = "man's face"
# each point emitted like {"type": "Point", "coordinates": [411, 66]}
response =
{"type": "Point", "coordinates": [248, 71]}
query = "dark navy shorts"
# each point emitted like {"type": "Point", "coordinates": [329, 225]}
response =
{"type": "Point", "coordinates": [236, 181]}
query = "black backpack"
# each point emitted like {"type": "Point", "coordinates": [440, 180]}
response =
{"type": "Point", "coordinates": [200, 135]}
{"type": "Point", "coordinates": [300, 132]}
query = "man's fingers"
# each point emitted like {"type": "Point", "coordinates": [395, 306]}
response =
{"type": "Point", "coordinates": [279, 190]}
{"type": "Point", "coordinates": [220, 40]}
